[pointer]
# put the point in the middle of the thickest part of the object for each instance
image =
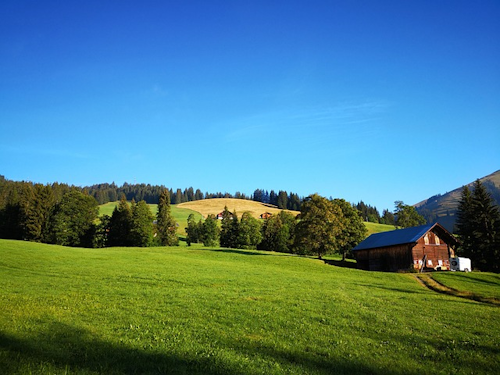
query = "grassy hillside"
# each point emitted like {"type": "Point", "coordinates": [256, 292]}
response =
{"type": "Point", "coordinates": [377, 228]}
{"type": "Point", "coordinates": [445, 206]}
{"type": "Point", "coordinates": [213, 311]}
{"type": "Point", "coordinates": [214, 206]}
{"type": "Point", "coordinates": [180, 214]}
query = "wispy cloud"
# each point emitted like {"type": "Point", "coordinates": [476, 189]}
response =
{"type": "Point", "coordinates": [44, 152]}
{"type": "Point", "coordinates": [316, 124]}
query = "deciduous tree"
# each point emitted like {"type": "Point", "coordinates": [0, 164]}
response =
{"type": "Point", "coordinates": [73, 221]}
{"type": "Point", "coordinates": [319, 227]}
{"type": "Point", "coordinates": [278, 233]}
{"type": "Point", "coordinates": [249, 234]}
{"type": "Point", "coordinates": [353, 232]}
{"type": "Point", "coordinates": [407, 216]}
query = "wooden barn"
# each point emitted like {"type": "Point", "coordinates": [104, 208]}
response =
{"type": "Point", "coordinates": [423, 247]}
{"type": "Point", "coordinates": [266, 215]}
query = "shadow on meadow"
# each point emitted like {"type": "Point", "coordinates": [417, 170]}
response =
{"type": "Point", "coordinates": [243, 252]}
{"type": "Point", "coordinates": [495, 279]}
{"type": "Point", "coordinates": [70, 350]}
{"type": "Point", "coordinates": [339, 263]}
{"type": "Point", "coordinates": [65, 349]}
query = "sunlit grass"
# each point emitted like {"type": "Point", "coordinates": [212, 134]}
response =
{"type": "Point", "coordinates": [223, 311]}
{"type": "Point", "coordinates": [480, 283]}
{"type": "Point", "coordinates": [180, 214]}
{"type": "Point", "coordinates": [377, 228]}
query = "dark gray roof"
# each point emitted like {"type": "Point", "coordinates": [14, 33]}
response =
{"type": "Point", "coordinates": [394, 237]}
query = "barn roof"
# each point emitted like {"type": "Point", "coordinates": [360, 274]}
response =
{"type": "Point", "coordinates": [404, 236]}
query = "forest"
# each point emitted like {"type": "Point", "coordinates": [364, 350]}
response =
{"type": "Point", "coordinates": [68, 215]}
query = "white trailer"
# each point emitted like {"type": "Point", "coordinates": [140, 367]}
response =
{"type": "Point", "coordinates": [460, 264]}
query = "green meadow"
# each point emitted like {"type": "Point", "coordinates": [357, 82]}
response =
{"type": "Point", "coordinates": [180, 214]}
{"type": "Point", "coordinates": [195, 310]}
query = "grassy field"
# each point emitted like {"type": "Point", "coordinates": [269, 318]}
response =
{"type": "Point", "coordinates": [180, 214]}
{"type": "Point", "coordinates": [377, 228]}
{"type": "Point", "coordinates": [204, 207]}
{"type": "Point", "coordinates": [483, 284]}
{"type": "Point", "coordinates": [216, 205]}
{"type": "Point", "coordinates": [222, 311]}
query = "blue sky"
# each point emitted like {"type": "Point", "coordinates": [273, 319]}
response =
{"type": "Point", "coordinates": [362, 100]}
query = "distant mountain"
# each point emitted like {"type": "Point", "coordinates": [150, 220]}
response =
{"type": "Point", "coordinates": [442, 208]}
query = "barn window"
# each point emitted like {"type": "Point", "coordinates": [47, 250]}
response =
{"type": "Point", "coordinates": [436, 240]}
{"type": "Point", "coordinates": [426, 239]}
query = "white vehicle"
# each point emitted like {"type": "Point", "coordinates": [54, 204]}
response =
{"type": "Point", "coordinates": [460, 264]}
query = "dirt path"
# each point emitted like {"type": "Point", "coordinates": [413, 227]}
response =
{"type": "Point", "coordinates": [427, 281]}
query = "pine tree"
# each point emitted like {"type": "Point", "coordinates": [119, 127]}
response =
{"type": "Point", "coordinates": [165, 222]}
{"type": "Point", "coordinates": [193, 234]}
{"type": "Point", "coordinates": [178, 196]}
{"type": "Point", "coordinates": [464, 223]}
{"type": "Point", "coordinates": [226, 239]}
{"type": "Point", "coordinates": [38, 213]}
{"type": "Point", "coordinates": [478, 224]}
{"type": "Point", "coordinates": [486, 221]}
{"type": "Point", "coordinates": [282, 200]}
{"type": "Point", "coordinates": [387, 217]}
{"type": "Point", "coordinates": [211, 232]}
{"type": "Point", "coordinates": [141, 232]}
{"type": "Point", "coordinates": [120, 224]}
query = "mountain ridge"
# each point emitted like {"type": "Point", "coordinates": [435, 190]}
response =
{"type": "Point", "coordinates": [442, 208]}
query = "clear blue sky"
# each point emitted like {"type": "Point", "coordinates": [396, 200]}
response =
{"type": "Point", "coordinates": [362, 100]}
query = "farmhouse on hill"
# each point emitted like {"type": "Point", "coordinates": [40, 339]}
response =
{"type": "Point", "coordinates": [266, 215]}
{"type": "Point", "coordinates": [424, 247]}
{"type": "Point", "coordinates": [220, 215]}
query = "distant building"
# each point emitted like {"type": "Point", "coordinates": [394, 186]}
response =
{"type": "Point", "coordinates": [424, 247]}
{"type": "Point", "coordinates": [266, 215]}
{"type": "Point", "coordinates": [221, 214]}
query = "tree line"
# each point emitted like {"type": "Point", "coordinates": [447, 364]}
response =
{"type": "Point", "coordinates": [68, 216]}
{"type": "Point", "coordinates": [324, 226]}
{"type": "Point", "coordinates": [111, 192]}
{"type": "Point", "coordinates": [105, 193]}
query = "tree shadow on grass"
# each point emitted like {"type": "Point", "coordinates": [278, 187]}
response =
{"type": "Point", "coordinates": [245, 252]}
{"type": "Point", "coordinates": [339, 263]}
{"type": "Point", "coordinates": [63, 348]}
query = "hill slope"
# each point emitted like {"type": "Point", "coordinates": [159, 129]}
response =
{"type": "Point", "coordinates": [442, 208]}
{"type": "Point", "coordinates": [216, 205]}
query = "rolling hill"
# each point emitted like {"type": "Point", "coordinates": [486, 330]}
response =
{"type": "Point", "coordinates": [442, 208]}
{"type": "Point", "coordinates": [216, 205]}
{"type": "Point", "coordinates": [205, 207]}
